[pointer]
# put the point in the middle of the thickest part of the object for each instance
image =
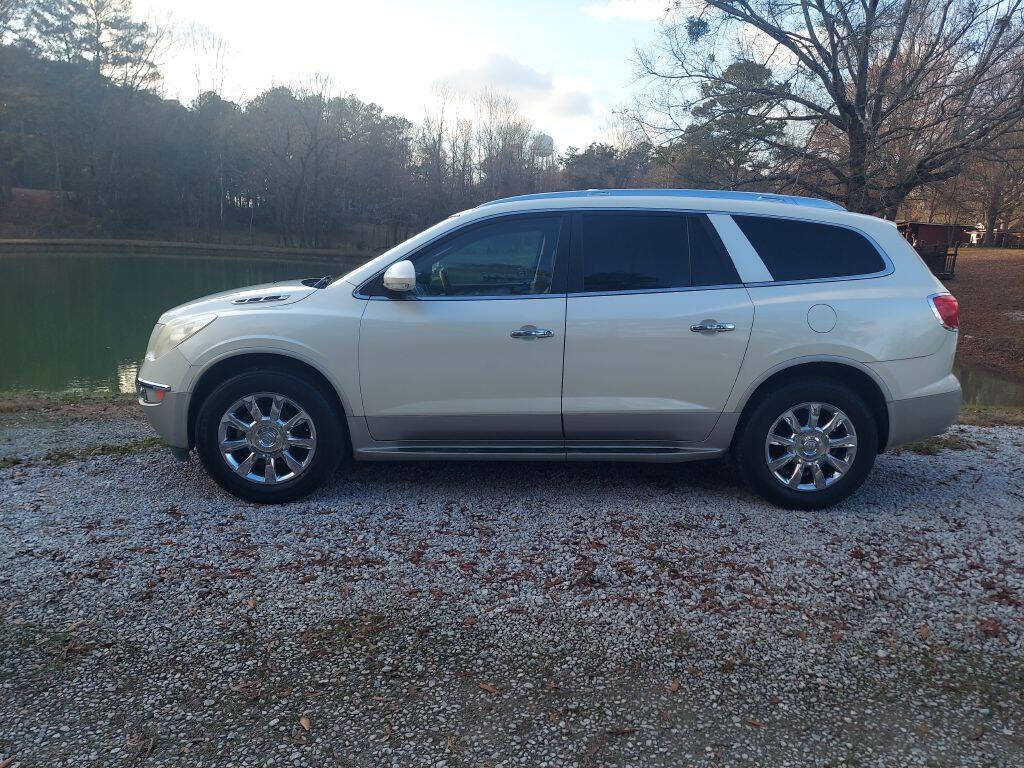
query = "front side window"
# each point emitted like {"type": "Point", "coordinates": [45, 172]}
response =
{"type": "Point", "coordinates": [806, 250]}
{"type": "Point", "coordinates": [509, 257]}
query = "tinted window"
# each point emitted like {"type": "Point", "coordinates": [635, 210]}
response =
{"type": "Point", "coordinates": [509, 257]}
{"type": "Point", "coordinates": [626, 252]}
{"type": "Point", "coordinates": [710, 263]}
{"type": "Point", "coordinates": [803, 250]}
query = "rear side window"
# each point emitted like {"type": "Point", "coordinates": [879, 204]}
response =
{"type": "Point", "coordinates": [804, 250]}
{"type": "Point", "coordinates": [710, 263]}
{"type": "Point", "coordinates": [638, 251]}
{"type": "Point", "coordinates": [631, 252]}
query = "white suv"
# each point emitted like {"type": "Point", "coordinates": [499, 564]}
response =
{"type": "Point", "coordinates": [625, 325]}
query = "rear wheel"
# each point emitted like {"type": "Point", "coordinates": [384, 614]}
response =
{"type": "Point", "coordinates": [269, 437]}
{"type": "Point", "coordinates": [807, 445]}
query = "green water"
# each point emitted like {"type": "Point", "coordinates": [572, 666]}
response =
{"type": "Point", "coordinates": [82, 322]}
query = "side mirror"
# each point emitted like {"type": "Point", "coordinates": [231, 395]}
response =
{"type": "Point", "coordinates": [400, 276]}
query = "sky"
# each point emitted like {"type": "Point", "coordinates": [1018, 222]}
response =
{"type": "Point", "coordinates": [569, 63]}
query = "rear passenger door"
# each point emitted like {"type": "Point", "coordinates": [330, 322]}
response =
{"type": "Point", "coordinates": [657, 323]}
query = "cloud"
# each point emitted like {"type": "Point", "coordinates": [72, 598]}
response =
{"type": "Point", "coordinates": [637, 10]}
{"type": "Point", "coordinates": [571, 104]}
{"type": "Point", "coordinates": [502, 73]}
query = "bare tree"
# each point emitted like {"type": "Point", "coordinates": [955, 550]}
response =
{"type": "Point", "coordinates": [878, 97]}
{"type": "Point", "coordinates": [995, 183]}
{"type": "Point", "coordinates": [211, 55]}
{"type": "Point", "coordinates": [12, 16]}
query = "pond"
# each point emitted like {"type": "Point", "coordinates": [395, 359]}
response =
{"type": "Point", "coordinates": [81, 322]}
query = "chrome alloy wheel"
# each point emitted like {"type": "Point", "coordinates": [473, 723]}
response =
{"type": "Point", "coordinates": [810, 446]}
{"type": "Point", "coordinates": [267, 438]}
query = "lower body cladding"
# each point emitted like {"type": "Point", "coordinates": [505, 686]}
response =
{"type": "Point", "coordinates": [918, 417]}
{"type": "Point", "coordinates": [364, 447]}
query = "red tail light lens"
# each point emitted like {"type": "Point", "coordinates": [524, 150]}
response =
{"type": "Point", "coordinates": [946, 309]}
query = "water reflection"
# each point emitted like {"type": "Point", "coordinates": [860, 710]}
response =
{"type": "Point", "coordinates": [982, 387]}
{"type": "Point", "coordinates": [82, 322]}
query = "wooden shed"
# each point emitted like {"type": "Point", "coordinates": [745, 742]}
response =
{"type": "Point", "coordinates": [938, 244]}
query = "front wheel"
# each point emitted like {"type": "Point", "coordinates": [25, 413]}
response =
{"type": "Point", "coordinates": [807, 445]}
{"type": "Point", "coordinates": [269, 437]}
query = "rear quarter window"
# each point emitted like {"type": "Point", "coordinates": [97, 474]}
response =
{"type": "Point", "coordinates": [805, 250]}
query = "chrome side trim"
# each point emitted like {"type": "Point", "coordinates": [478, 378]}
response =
{"type": "Point", "coordinates": [555, 451]}
{"type": "Point", "coordinates": [687, 289]}
{"type": "Point", "coordinates": [150, 384]}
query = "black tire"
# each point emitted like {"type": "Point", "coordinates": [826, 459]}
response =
{"type": "Point", "coordinates": [331, 445]}
{"type": "Point", "coordinates": [750, 450]}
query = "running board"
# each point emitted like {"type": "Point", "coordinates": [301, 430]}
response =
{"type": "Point", "coordinates": [543, 451]}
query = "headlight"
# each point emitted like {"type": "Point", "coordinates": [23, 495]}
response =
{"type": "Point", "coordinates": [167, 337]}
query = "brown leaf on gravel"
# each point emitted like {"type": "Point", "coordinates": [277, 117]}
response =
{"type": "Point", "coordinates": [489, 687]}
{"type": "Point", "coordinates": [6, 762]}
{"type": "Point", "coordinates": [990, 627]}
{"type": "Point", "coordinates": [755, 723]}
{"type": "Point", "coordinates": [469, 621]}
{"type": "Point", "coordinates": [673, 685]}
{"type": "Point", "coordinates": [923, 631]}
{"type": "Point", "coordinates": [978, 733]}
{"type": "Point", "coordinates": [922, 729]}
{"type": "Point", "coordinates": [305, 723]}
{"type": "Point", "coordinates": [620, 731]}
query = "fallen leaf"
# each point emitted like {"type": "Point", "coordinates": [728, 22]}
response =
{"type": "Point", "coordinates": [489, 687]}
{"type": "Point", "coordinates": [990, 627]}
{"type": "Point", "coordinates": [922, 729]}
{"type": "Point", "coordinates": [305, 723]}
{"type": "Point", "coordinates": [6, 762]}
{"type": "Point", "coordinates": [755, 723]}
{"type": "Point", "coordinates": [672, 686]}
{"type": "Point", "coordinates": [923, 631]}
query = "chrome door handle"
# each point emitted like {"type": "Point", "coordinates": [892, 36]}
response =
{"type": "Point", "coordinates": [531, 332]}
{"type": "Point", "coordinates": [712, 326]}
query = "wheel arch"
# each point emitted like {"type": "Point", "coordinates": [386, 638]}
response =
{"type": "Point", "coordinates": [846, 372]}
{"type": "Point", "coordinates": [226, 367]}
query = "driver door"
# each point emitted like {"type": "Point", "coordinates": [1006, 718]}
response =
{"type": "Point", "coordinates": [475, 352]}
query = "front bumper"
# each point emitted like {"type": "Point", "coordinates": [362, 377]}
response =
{"type": "Point", "coordinates": [169, 418]}
{"type": "Point", "coordinates": [915, 418]}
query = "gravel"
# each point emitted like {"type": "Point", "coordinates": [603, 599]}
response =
{"type": "Point", "coordinates": [510, 614]}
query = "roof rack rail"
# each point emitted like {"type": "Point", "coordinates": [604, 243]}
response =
{"type": "Point", "coordinates": [714, 194]}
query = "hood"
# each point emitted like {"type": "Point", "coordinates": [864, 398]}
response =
{"type": "Point", "coordinates": [263, 296]}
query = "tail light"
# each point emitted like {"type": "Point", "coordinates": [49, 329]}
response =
{"type": "Point", "coordinates": [946, 309]}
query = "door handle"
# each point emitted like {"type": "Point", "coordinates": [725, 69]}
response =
{"type": "Point", "coordinates": [531, 332]}
{"type": "Point", "coordinates": [712, 326]}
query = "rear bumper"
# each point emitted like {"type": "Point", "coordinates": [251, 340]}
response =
{"type": "Point", "coordinates": [917, 417]}
{"type": "Point", "coordinates": [170, 419]}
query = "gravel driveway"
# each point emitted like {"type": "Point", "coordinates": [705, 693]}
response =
{"type": "Point", "coordinates": [508, 614]}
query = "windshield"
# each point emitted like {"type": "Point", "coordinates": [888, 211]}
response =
{"type": "Point", "coordinates": [367, 270]}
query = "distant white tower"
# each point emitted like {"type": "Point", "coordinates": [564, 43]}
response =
{"type": "Point", "coordinates": [543, 145]}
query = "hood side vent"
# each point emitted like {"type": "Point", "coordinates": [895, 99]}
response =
{"type": "Point", "coordinates": [261, 299]}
